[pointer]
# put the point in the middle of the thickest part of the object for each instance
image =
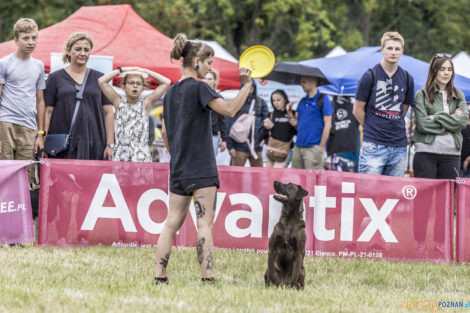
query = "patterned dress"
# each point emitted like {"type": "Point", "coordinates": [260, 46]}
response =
{"type": "Point", "coordinates": [131, 133]}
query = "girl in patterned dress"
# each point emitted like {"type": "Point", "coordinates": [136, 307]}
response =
{"type": "Point", "coordinates": [131, 124]}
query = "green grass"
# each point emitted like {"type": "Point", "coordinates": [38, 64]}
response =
{"type": "Point", "coordinates": [107, 279]}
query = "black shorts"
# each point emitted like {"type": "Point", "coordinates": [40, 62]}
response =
{"type": "Point", "coordinates": [186, 187]}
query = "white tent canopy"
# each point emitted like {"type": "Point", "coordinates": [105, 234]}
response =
{"type": "Point", "coordinates": [336, 51]}
{"type": "Point", "coordinates": [462, 63]}
{"type": "Point", "coordinates": [219, 51]}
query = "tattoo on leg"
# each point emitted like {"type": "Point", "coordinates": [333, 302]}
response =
{"type": "Point", "coordinates": [209, 261]}
{"type": "Point", "coordinates": [164, 261]}
{"type": "Point", "coordinates": [200, 209]}
{"type": "Point", "coordinates": [199, 248]}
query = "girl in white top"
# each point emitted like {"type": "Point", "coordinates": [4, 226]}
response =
{"type": "Point", "coordinates": [131, 124]}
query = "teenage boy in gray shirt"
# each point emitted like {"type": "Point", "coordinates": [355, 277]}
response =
{"type": "Point", "coordinates": [21, 97]}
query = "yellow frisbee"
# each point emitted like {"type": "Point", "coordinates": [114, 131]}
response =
{"type": "Point", "coordinates": [259, 59]}
{"type": "Point", "coordinates": [157, 112]}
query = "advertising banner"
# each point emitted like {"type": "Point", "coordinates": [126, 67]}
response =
{"type": "Point", "coordinates": [463, 220]}
{"type": "Point", "coordinates": [91, 202]}
{"type": "Point", "coordinates": [264, 89]}
{"type": "Point", "coordinates": [16, 222]}
{"type": "Point", "coordinates": [362, 215]}
{"type": "Point", "coordinates": [347, 215]}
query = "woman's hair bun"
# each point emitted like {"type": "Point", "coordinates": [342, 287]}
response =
{"type": "Point", "coordinates": [178, 45]}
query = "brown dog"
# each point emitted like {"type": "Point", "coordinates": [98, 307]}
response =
{"type": "Point", "coordinates": [287, 242]}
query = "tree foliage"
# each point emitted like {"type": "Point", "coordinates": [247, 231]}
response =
{"type": "Point", "coordinates": [293, 29]}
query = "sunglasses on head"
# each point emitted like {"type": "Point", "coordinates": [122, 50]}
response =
{"type": "Point", "coordinates": [442, 55]}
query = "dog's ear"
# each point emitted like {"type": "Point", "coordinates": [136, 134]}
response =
{"type": "Point", "coordinates": [301, 193]}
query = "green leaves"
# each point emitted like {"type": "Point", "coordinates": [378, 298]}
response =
{"type": "Point", "coordinates": [293, 29]}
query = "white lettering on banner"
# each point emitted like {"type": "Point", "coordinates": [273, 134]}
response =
{"type": "Point", "coordinates": [409, 192]}
{"type": "Point", "coordinates": [377, 221]}
{"type": "Point", "coordinates": [143, 210]}
{"type": "Point", "coordinates": [96, 210]}
{"type": "Point", "coordinates": [255, 215]}
{"type": "Point", "coordinates": [10, 207]}
{"type": "Point", "coordinates": [275, 209]}
{"type": "Point", "coordinates": [218, 205]}
{"type": "Point", "coordinates": [347, 213]}
{"type": "Point", "coordinates": [320, 202]}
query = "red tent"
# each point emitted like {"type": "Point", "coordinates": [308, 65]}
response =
{"type": "Point", "coordinates": [117, 30]}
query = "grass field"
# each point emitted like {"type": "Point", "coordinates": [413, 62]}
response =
{"type": "Point", "coordinates": [107, 279]}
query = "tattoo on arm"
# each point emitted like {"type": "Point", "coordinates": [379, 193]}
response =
{"type": "Point", "coordinates": [200, 248]}
{"type": "Point", "coordinates": [164, 261]}
{"type": "Point", "coordinates": [200, 209]}
{"type": "Point", "coordinates": [209, 261]}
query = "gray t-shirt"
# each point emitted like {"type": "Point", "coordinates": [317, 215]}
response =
{"type": "Point", "coordinates": [20, 79]}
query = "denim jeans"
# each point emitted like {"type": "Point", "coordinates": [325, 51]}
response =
{"type": "Point", "coordinates": [382, 160]}
{"type": "Point", "coordinates": [215, 143]}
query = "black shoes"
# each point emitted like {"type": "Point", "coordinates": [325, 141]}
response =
{"type": "Point", "coordinates": [161, 280]}
{"type": "Point", "coordinates": [204, 281]}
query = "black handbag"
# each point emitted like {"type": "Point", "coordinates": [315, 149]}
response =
{"type": "Point", "coordinates": [58, 143]}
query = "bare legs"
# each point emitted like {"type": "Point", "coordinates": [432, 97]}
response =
{"type": "Point", "coordinates": [204, 203]}
{"type": "Point", "coordinates": [176, 214]}
{"type": "Point", "coordinates": [205, 212]}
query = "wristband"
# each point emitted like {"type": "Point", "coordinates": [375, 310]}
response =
{"type": "Point", "coordinates": [120, 69]}
{"type": "Point", "coordinates": [41, 132]}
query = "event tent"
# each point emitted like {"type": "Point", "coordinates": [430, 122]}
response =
{"type": "Point", "coordinates": [336, 51]}
{"type": "Point", "coordinates": [462, 63]}
{"type": "Point", "coordinates": [345, 71]}
{"type": "Point", "coordinates": [220, 51]}
{"type": "Point", "coordinates": [117, 30]}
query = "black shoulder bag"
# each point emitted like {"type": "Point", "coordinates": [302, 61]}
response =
{"type": "Point", "coordinates": [58, 143]}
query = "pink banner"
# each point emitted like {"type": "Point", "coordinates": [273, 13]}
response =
{"type": "Point", "coordinates": [16, 222]}
{"type": "Point", "coordinates": [347, 215]}
{"type": "Point", "coordinates": [463, 220]}
{"type": "Point", "coordinates": [381, 216]}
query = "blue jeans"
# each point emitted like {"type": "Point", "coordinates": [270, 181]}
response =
{"type": "Point", "coordinates": [215, 143]}
{"type": "Point", "coordinates": [382, 160]}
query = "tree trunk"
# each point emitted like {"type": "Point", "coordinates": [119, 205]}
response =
{"type": "Point", "coordinates": [252, 29]}
{"type": "Point", "coordinates": [365, 25]}
{"type": "Point", "coordinates": [229, 39]}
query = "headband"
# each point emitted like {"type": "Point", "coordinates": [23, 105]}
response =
{"type": "Point", "coordinates": [186, 48]}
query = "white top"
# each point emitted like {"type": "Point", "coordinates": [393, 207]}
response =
{"type": "Point", "coordinates": [131, 133]}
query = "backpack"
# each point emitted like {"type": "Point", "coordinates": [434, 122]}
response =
{"type": "Point", "coordinates": [319, 102]}
{"type": "Point", "coordinates": [240, 130]}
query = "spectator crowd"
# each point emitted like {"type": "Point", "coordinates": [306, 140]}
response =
{"type": "Point", "coordinates": [77, 114]}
